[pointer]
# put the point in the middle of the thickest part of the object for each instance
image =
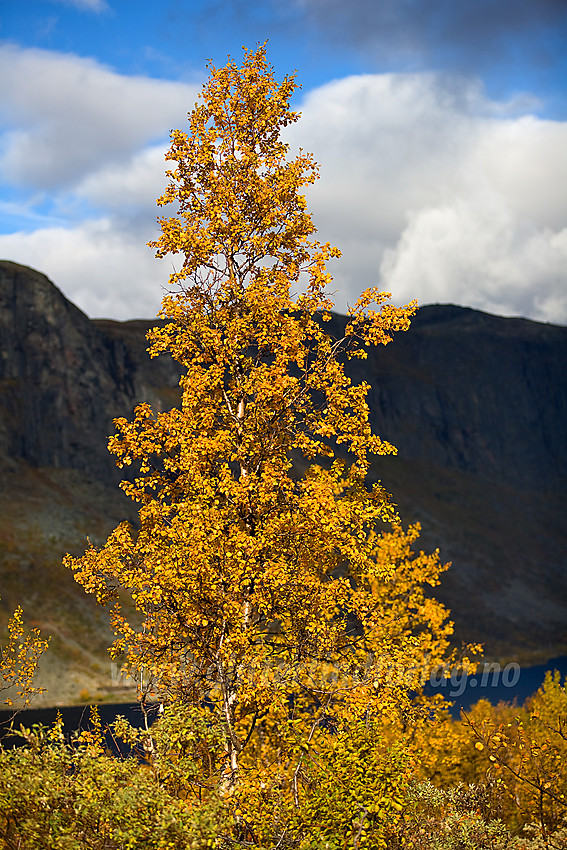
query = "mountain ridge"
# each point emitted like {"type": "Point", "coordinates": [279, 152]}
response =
{"type": "Point", "coordinates": [476, 405]}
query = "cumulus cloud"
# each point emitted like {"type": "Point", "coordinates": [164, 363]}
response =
{"type": "Point", "coordinates": [475, 252]}
{"type": "Point", "coordinates": [65, 116]}
{"type": "Point", "coordinates": [429, 188]}
{"type": "Point", "coordinates": [435, 192]}
{"type": "Point", "coordinates": [133, 185]}
{"type": "Point", "coordinates": [75, 149]}
{"type": "Point", "coordinates": [102, 263]}
{"type": "Point", "coordinates": [102, 268]}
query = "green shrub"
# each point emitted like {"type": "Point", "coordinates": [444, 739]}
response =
{"type": "Point", "coordinates": [58, 795]}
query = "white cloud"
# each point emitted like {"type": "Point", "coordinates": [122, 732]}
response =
{"type": "Point", "coordinates": [67, 116]}
{"type": "Point", "coordinates": [134, 185]}
{"type": "Point", "coordinates": [429, 188]}
{"type": "Point", "coordinates": [437, 193]}
{"type": "Point", "coordinates": [103, 269]}
{"type": "Point", "coordinates": [77, 138]}
{"type": "Point", "coordinates": [475, 252]}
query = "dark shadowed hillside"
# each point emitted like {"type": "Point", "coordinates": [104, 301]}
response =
{"type": "Point", "coordinates": [64, 377]}
{"type": "Point", "coordinates": [476, 405]}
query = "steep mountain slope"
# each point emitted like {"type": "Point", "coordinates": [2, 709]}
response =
{"type": "Point", "coordinates": [63, 379]}
{"type": "Point", "coordinates": [476, 405]}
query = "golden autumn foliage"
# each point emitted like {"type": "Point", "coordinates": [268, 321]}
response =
{"type": "Point", "coordinates": [512, 757]}
{"type": "Point", "coordinates": [19, 658]}
{"type": "Point", "coordinates": [274, 603]}
{"type": "Point", "coordinates": [282, 618]}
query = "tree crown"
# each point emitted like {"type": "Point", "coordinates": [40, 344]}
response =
{"type": "Point", "coordinates": [255, 581]}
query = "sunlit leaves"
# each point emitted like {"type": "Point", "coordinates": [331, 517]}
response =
{"type": "Point", "coordinates": [254, 584]}
{"type": "Point", "coordinates": [19, 659]}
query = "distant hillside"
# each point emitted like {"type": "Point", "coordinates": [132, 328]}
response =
{"type": "Point", "coordinates": [476, 404]}
{"type": "Point", "coordinates": [477, 407]}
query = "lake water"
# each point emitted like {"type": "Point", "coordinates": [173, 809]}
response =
{"type": "Point", "coordinates": [508, 683]}
{"type": "Point", "coordinates": [495, 683]}
{"type": "Point", "coordinates": [74, 717]}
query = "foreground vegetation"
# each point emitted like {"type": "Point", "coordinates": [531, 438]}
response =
{"type": "Point", "coordinates": [494, 779]}
{"type": "Point", "coordinates": [283, 622]}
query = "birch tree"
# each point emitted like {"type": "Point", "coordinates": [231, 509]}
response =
{"type": "Point", "coordinates": [258, 589]}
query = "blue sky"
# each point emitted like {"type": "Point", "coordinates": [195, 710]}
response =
{"type": "Point", "coordinates": [440, 128]}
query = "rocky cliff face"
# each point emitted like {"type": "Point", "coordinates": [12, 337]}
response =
{"type": "Point", "coordinates": [476, 405]}
{"type": "Point", "coordinates": [63, 378]}
{"type": "Point", "coordinates": [476, 393]}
